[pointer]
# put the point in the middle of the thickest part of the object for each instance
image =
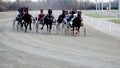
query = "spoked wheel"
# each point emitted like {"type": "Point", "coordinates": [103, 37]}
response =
{"type": "Point", "coordinates": [37, 27]}
{"type": "Point", "coordinates": [58, 28]}
{"type": "Point", "coordinates": [84, 31]}
{"type": "Point", "coordinates": [13, 25]}
{"type": "Point", "coordinates": [18, 25]}
{"type": "Point", "coordinates": [65, 29]}
{"type": "Point", "coordinates": [48, 30]}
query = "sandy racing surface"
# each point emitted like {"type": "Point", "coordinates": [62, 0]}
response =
{"type": "Point", "coordinates": [32, 50]}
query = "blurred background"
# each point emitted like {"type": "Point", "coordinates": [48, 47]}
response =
{"type": "Point", "coordinates": [6, 5]}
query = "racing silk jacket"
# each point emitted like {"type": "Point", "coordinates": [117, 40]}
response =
{"type": "Point", "coordinates": [61, 18]}
{"type": "Point", "coordinates": [48, 19]}
{"type": "Point", "coordinates": [27, 17]}
{"type": "Point", "coordinates": [19, 17]}
{"type": "Point", "coordinates": [40, 16]}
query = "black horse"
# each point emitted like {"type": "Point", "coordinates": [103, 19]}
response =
{"type": "Point", "coordinates": [48, 20]}
{"type": "Point", "coordinates": [27, 19]}
{"type": "Point", "coordinates": [61, 19]}
{"type": "Point", "coordinates": [77, 22]}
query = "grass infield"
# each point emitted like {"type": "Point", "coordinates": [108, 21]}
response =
{"type": "Point", "coordinates": [99, 16]}
{"type": "Point", "coordinates": [117, 21]}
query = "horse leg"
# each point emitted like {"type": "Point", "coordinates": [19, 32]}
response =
{"type": "Point", "coordinates": [17, 25]}
{"type": "Point", "coordinates": [50, 27]}
{"type": "Point", "coordinates": [78, 30]}
{"type": "Point", "coordinates": [73, 30]}
{"type": "Point", "coordinates": [25, 27]}
{"type": "Point", "coordinates": [22, 23]}
{"type": "Point", "coordinates": [30, 26]}
{"type": "Point", "coordinates": [57, 26]}
{"type": "Point", "coordinates": [13, 25]}
{"type": "Point", "coordinates": [47, 27]}
{"type": "Point", "coordinates": [42, 26]}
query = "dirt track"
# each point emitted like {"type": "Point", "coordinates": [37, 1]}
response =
{"type": "Point", "coordinates": [31, 50]}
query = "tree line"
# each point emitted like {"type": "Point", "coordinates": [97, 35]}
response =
{"type": "Point", "coordinates": [53, 4]}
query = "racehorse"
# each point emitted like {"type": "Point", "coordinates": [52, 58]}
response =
{"type": "Point", "coordinates": [77, 22]}
{"type": "Point", "coordinates": [60, 20]}
{"type": "Point", "coordinates": [27, 19]}
{"type": "Point", "coordinates": [48, 20]}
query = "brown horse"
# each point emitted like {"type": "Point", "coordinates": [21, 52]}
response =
{"type": "Point", "coordinates": [27, 19]}
{"type": "Point", "coordinates": [77, 22]}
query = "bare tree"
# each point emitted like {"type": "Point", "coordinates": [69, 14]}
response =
{"type": "Point", "coordinates": [54, 4]}
{"type": "Point", "coordinates": [3, 6]}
